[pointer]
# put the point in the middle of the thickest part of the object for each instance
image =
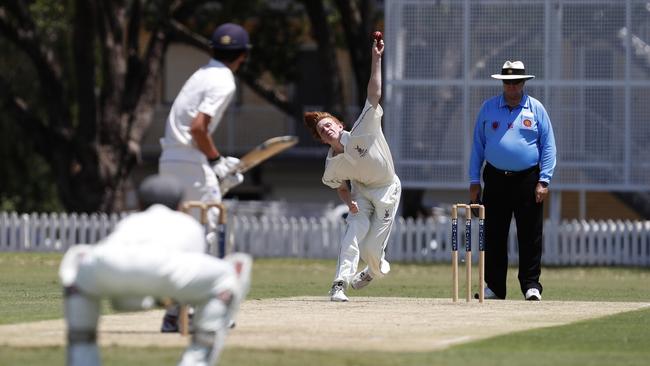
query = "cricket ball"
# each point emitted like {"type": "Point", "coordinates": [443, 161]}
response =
{"type": "Point", "coordinates": [377, 36]}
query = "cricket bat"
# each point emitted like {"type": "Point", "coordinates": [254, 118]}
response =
{"type": "Point", "coordinates": [263, 152]}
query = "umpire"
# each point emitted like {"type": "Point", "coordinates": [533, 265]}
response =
{"type": "Point", "coordinates": [514, 137]}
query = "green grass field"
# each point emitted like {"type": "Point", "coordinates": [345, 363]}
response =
{"type": "Point", "coordinates": [29, 291]}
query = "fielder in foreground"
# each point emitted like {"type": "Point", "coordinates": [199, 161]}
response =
{"type": "Point", "coordinates": [360, 167]}
{"type": "Point", "coordinates": [153, 257]}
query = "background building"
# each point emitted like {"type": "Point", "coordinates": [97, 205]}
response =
{"type": "Point", "coordinates": [592, 65]}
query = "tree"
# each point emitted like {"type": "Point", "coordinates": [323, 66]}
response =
{"type": "Point", "coordinates": [93, 95]}
{"type": "Point", "coordinates": [90, 91]}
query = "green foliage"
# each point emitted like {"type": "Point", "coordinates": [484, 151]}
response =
{"type": "Point", "coordinates": [19, 72]}
{"type": "Point", "coordinates": [27, 184]}
{"type": "Point", "coordinates": [276, 43]}
{"type": "Point", "coordinates": [276, 33]}
{"type": "Point", "coordinates": [50, 18]}
{"type": "Point", "coordinates": [82, 107]}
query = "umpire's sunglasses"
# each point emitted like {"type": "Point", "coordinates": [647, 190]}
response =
{"type": "Point", "coordinates": [513, 82]}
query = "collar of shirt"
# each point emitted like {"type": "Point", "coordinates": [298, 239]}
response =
{"type": "Point", "coordinates": [345, 137]}
{"type": "Point", "coordinates": [217, 63]}
{"type": "Point", "coordinates": [522, 103]}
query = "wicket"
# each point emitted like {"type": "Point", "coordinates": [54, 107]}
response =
{"type": "Point", "coordinates": [468, 249]}
{"type": "Point", "coordinates": [187, 207]}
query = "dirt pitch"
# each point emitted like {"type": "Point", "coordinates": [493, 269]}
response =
{"type": "Point", "coordinates": [315, 323]}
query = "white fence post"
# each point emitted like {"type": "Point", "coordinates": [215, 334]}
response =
{"type": "Point", "coordinates": [644, 232]}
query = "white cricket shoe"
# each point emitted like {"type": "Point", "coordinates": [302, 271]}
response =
{"type": "Point", "coordinates": [533, 295]}
{"type": "Point", "coordinates": [361, 279]}
{"type": "Point", "coordinates": [337, 293]}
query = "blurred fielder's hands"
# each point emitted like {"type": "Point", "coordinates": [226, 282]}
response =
{"type": "Point", "coordinates": [541, 191]}
{"type": "Point", "coordinates": [224, 166]}
{"type": "Point", "coordinates": [229, 182]}
{"type": "Point", "coordinates": [354, 208]}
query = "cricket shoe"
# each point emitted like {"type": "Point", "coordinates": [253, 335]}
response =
{"type": "Point", "coordinates": [170, 324]}
{"type": "Point", "coordinates": [337, 293]}
{"type": "Point", "coordinates": [533, 295]}
{"type": "Point", "coordinates": [361, 279]}
{"type": "Point", "coordinates": [488, 294]}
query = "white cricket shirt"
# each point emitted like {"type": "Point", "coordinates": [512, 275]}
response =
{"type": "Point", "coordinates": [157, 252]}
{"type": "Point", "coordinates": [158, 229]}
{"type": "Point", "coordinates": [209, 90]}
{"type": "Point", "coordinates": [366, 158]}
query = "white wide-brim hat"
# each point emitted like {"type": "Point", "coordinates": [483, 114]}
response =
{"type": "Point", "coordinates": [513, 71]}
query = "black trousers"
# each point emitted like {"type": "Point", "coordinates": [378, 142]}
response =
{"type": "Point", "coordinates": [506, 194]}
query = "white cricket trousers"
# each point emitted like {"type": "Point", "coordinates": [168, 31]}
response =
{"type": "Point", "coordinates": [123, 271]}
{"type": "Point", "coordinates": [367, 231]}
{"type": "Point", "coordinates": [200, 183]}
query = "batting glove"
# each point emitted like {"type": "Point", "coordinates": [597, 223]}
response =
{"type": "Point", "coordinates": [230, 182]}
{"type": "Point", "coordinates": [224, 166]}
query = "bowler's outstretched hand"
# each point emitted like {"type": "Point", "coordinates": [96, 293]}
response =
{"type": "Point", "coordinates": [378, 47]}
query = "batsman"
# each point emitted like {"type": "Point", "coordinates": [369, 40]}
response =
{"type": "Point", "coordinates": [188, 150]}
{"type": "Point", "coordinates": [359, 165]}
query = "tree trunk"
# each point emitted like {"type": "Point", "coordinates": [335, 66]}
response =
{"type": "Point", "coordinates": [357, 29]}
{"type": "Point", "coordinates": [324, 36]}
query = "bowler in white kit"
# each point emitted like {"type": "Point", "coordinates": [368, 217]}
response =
{"type": "Point", "coordinates": [360, 167]}
{"type": "Point", "coordinates": [152, 257]}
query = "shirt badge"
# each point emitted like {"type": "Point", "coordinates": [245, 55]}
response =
{"type": "Point", "coordinates": [495, 125]}
{"type": "Point", "coordinates": [361, 151]}
{"type": "Point", "coordinates": [528, 123]}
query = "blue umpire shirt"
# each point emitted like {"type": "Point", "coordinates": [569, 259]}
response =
{"type": "Point", "coordinates": [513, 140]}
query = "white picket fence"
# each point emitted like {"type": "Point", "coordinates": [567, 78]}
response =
{"type": "Point", "coordinates": [53, 232]}
{"type": "Point", "coordinates": [619, 243]}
